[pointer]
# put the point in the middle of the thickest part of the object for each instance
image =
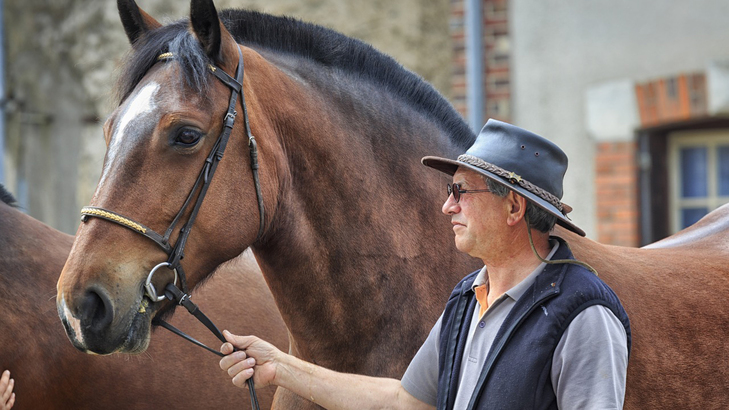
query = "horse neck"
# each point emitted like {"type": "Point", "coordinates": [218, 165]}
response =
{"type": "Point", "coordinates": [23, 239]}
{"type": "Point", "coordinates": [32, 255]}
{"type": "Point", "coordinates": [357, 239]}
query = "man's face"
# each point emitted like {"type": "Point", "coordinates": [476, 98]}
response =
{"type": "Point", "coordinates": [479, 218]}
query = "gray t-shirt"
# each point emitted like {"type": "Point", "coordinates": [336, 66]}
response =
{"type": "Point", "coordinates": [588, 368]}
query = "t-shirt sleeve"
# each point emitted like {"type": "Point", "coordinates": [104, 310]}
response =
{"type": "Point", "coordinates": [590, 362]}
{"type": "Point", "coordinates": [421, 377]}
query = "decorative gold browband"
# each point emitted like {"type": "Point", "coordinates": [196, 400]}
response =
{"type": "Point", "coordinates": [91, 211]}
{"type": "Point", "coordinates": [169, 55]}
{"type": "Point", "coordinates": [516, 179]}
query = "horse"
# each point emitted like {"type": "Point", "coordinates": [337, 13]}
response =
{"type": "Point", "coordinates": [51, 374]}
{"type": "Point", "coordinates": [341, 217]}
{"type": "Point", "coordinates": [674, 292]}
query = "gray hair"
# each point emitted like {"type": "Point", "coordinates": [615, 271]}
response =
{"type": "Point", "coordinates": [538, 218]}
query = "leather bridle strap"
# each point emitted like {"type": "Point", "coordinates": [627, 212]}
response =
{"type": "Point", "coordinates": [173, 293]}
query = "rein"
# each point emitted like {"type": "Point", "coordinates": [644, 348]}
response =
{"type": "Point", "coordinates": [176, 252]}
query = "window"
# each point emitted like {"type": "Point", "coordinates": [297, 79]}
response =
{"type": "Point", "coordinates": [699, 175]}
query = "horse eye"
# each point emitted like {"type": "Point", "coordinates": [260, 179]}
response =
{"type": "Point", "coordinates": [188, 137]}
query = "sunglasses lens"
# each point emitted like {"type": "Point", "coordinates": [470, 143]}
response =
{"type": "Point", "coordinates": [456, 190]}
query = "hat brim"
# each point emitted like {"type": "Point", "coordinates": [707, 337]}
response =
{"type": "Point", "coordinates": [449, 166]}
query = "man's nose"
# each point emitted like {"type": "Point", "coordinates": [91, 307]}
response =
{"type": "Point", "coordinates": [450, 206]}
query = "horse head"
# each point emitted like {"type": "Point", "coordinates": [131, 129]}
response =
{"type": "Point", "coordinates": [166, 127]}
{"type": "Point", "coordinates": [350, 218]}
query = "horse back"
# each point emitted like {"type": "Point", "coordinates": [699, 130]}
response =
{"type": "Point", "coordinates": [675, 294]}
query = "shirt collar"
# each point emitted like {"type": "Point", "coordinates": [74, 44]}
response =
{"type": "Point", "coordinates": [519, 289]}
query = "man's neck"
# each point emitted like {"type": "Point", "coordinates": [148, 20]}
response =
{"type": "Point", "coordinates": [515, 263]}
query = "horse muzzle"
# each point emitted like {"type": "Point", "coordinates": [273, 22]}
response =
{"type": "Point", "coordinates": [94, 327]}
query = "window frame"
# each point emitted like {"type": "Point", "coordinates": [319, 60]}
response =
{"type": "Point", "coordinates": [709, 139]}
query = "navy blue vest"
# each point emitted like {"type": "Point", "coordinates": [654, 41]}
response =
{"type": "Point", "coordinates": [516, 374]}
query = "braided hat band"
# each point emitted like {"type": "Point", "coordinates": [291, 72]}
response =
{"type": "Point", "coordinates": [516, 179]}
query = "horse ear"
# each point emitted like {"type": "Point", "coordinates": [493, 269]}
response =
{"type": "Point", "coordinates": [206, 25]}
{"type": "Point", "coordinates": [135, 21]}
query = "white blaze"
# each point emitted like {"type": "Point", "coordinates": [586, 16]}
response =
{"type": "Point", "coordinates": [140, 106]}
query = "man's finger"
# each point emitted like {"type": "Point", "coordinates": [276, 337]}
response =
{"type": "Point", "coordinates": [231, 359]}
{"type": "Point", "coordinates": [226, 348]}
{"type": "Point", "coordinates": [241, 342]}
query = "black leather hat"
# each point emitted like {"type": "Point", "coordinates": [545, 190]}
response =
{"type": "Point", "coordinates": [522, 161]}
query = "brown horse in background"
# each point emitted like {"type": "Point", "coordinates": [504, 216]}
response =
{"type": "Point", "coordinates": [355, 250]}
{"type": "Point", "coordinates": [675, 292]}
{"type": "Point", "coordinates": [51, 374]}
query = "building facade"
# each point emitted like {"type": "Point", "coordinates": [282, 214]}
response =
{"type": "Point", "coordinates": [635, 92]}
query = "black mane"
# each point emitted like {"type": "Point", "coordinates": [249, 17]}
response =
{"type": "Point", "coordinates": [6, 196]}
{"type": "Point", "coordinates": [291, 36]}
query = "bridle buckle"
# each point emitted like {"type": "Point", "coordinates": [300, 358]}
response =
{"type": "Point", "coordinates": [229, 119]}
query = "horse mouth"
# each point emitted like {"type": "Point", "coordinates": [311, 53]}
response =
{"type": "Point", "coordinates": [133, 339]}
{"type": "Point", "coordinates": [138, 336]}
{"type": "Point", "coordinates": [138, 333]}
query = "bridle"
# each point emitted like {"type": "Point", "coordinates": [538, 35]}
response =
{"type": "Point", "coordinates": [176, 252]}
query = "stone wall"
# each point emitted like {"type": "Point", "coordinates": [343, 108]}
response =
{"type": "Point", "coordinates": [60, 61]}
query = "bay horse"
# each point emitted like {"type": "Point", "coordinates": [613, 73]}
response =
{"type": "Point", "coordinates": [351, 241]}
{"type": "Point", "coordinates": [51, 374]}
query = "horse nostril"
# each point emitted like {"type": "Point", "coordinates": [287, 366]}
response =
{"type": "Point", "coordinates": [96, 310]}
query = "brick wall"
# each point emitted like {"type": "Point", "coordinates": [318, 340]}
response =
{"type": "Point", "coordinates": [458, 64]}
{"type": "Point", "coordinates": [496, 54]}
{"type": "Point", "coordinates": [672, 99]}
{"type": "Point", "coordinates": [616, 180]}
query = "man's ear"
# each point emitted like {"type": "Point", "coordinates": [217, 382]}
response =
{"type": "Point", "coordinates": [517, 208]}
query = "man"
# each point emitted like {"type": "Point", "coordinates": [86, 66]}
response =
{"type": "Point", "coordinates": [533, 329]}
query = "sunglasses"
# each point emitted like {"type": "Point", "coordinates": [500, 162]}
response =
{"type": "Point", "coordinates": [456, 190]}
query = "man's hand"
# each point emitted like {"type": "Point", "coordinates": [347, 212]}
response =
{"type": "Point", "coordinates": [254, 357]}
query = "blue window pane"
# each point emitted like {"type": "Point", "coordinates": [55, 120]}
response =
{"type": "Point", "coordinates": [693, 172]}
{"type": "Point", "coordinates": [723, 170]}
{"type": "Point", "coordinates": [690, 216]}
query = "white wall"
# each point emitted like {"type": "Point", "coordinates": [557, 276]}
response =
{"type": "Point", "coordinates": [562, 48]}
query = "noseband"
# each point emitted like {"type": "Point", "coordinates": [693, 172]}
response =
{"type": "Point", "coordinates": [176, 252]}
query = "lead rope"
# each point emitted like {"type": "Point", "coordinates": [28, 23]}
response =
{"type": "Point", "coordinates": [174, 294]}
